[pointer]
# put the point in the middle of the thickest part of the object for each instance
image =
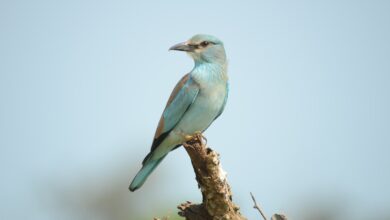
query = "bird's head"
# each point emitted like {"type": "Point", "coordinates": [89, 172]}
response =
{"type": "Point", "coordinates": [203, 48]}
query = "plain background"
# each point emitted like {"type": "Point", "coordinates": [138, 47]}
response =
{"type": "Point", "coordinates": [83, 84]}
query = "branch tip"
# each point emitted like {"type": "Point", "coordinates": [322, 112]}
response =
{"type": "Point", "coordinates": [256, 206]}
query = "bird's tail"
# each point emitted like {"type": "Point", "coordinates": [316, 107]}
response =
{"type": "Point", "coordinates": [148, 166]}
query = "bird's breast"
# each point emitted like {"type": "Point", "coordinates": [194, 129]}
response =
{"type": "Point", "coordinates": [212, 97]}
{"type": "Point", "coordinates": [204, 110]}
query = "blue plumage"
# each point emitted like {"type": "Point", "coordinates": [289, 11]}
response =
{"type": "Point", "coordinates": [196, 101]}
{"type": "Point", "coordinates": [143, 174]}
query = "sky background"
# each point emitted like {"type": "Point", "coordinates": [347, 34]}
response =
{"type": "Point", "coordinates": [83, 85]}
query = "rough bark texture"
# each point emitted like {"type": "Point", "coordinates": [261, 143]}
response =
{"type": "Point", "coordinates": [278, 217]}
{"type": "Point", "coordinates": [217, 197]}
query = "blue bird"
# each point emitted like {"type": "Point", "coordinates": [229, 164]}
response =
{"type": "Point", "coordinates": [196, 101]}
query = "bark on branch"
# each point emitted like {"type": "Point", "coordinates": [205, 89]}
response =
{"type": "Point", "coordinates": [217, 199]}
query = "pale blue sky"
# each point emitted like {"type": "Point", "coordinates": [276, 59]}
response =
{"type": "Point", "coordinates": [83, 84]}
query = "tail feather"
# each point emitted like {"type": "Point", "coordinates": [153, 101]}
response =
{"type": "Point", "coordinates": [147, 168]}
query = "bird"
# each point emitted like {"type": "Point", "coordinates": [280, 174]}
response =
{"type": "Point", "coordinates": [196, 101]}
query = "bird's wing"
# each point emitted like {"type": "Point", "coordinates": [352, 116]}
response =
{"type": "Point", "coordinates": [183, 95]}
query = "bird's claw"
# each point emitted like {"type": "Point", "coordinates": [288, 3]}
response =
{"type": "Point", "coordinates": [196, 136]}
{"type": "Point", "coordinates": [188, 138]}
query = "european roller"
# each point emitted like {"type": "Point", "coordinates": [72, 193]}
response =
{"type": "Point", "coordinates": [196, 101]}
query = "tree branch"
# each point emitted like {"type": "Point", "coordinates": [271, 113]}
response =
{"type": "Point", "coordinates": [256, 206]}
{"type": "Point", "coordinates": [217, 202]}
{"type": "Point", "coordinates": [217, 197]}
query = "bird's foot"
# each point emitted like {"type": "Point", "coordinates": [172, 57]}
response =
{"type": "Point", "coordinates": [196, 136]}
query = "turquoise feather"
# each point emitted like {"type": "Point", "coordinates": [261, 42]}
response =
{"type": "Point", "coordinates": [143, 174]}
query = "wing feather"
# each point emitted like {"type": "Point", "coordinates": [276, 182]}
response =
{"type": "Point", "coordinates": [183, 95]}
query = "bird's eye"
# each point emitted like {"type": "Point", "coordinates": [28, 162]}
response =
{"type": "Point", "coordinates": [204, 43]}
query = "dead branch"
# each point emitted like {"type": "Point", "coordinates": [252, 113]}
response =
{"type": "Point", "coordinates": [274, 217]}
{"type": "Point", "coordinates": [256, 206]}
{"type": "Point", "coordinates": [217, 199]}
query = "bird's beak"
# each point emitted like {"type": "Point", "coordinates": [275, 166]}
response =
{"type": "Point", "coordinates": [183, 47]}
